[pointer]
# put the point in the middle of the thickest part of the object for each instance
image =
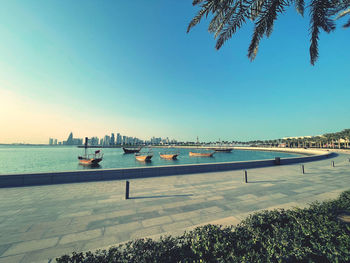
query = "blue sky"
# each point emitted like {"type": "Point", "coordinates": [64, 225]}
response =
{"type": "Point", "coordinates": [96, 67]}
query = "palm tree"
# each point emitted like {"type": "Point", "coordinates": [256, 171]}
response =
{"type": "Point", "coordinates": [229, 15]}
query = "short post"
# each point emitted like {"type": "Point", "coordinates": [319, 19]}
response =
{"type": "Point", "coordinates": [245, 176]}
{"type": "Point", "coordinates": [349, 160]}
{"type": "Point", "coordinates": [127, 190]}
{"type": "Point", "coordinates": [332, 163]}
{"type": "Point", "coordinates": [277, 160]}
{"type": "Point", "coordinates": [302, 169]}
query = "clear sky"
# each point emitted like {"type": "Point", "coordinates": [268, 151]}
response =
{"type": "Point", "coordinates": [96, 67]}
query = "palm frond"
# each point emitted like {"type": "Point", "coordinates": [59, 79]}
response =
{"type": "Point", "coordinates": [347, 24]}
{"type": "Point", "coordinates": [225, 20]}
{"type": "Point", "coordinates": [319, 14]}
{"type": "Point", "coordinates": [343, 13]}
{"type": "Point", "coordinates": [264, 24]}
{"type": "Point", "coordinates": [300, 6]}
{"type": "Point", "coordinates": [233, 21]}
{"type": "Point", "coordinates": [206, 8]}
{"type": "Point", "coordinates": [256, 8]}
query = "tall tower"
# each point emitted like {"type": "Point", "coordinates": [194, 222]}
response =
{"type": "Point", "coordinates": [70, 139]}
{"type": "Point", "coordinates": [112, 142]}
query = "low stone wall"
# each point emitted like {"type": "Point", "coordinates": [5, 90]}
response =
{"type": "Point", "coordinates": [15, 180]}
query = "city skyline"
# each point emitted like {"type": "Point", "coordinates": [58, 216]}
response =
{"type": "Point", "coordinates": [110, 140]}
{"type": "Point", "coordinates": [138, 72]}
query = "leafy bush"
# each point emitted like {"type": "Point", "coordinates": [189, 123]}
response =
{"type": "Point", "coordinates": [312, 234]}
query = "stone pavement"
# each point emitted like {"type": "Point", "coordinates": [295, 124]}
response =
{"type": "Point", "coordinates": [40, 223]}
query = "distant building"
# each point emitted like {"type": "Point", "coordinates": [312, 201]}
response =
{"type": "Point", "coordinates": [55, 141]}
{"type": "Point", "coordinates": [119, 139]}
{"type": "Point", "coordinates": [70, 139]}
{"type": "Point", "coordinates": [50, 141]}
{"type": "Point", "coordinates": [155, 141]}
{"type": "Point", "coordinates": [106, 140]}
{"type": "Point", "coordinates": [94, 141]}
{"type": "Point", "coordinates": [73, 141]}
{"type": "Point", "coordinates": [112, 142]}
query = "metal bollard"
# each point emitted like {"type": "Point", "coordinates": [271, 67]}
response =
{"type": "Point", "coordinates": [302, 169]}
{"type": "Point", "coordinates": [127, 190]}
{"type": "Point", "coordinates": [245, 176]}
{"type": "Point", "coordinates": [332, 163]}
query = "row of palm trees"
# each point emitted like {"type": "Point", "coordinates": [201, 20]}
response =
{"type": "Point", "coordinates": [330, 140]}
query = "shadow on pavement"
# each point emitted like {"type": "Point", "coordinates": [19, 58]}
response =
{"type": "Point", "coordinates": [157, 196]}
{"type": "Point", "coordinates": [276, 181]}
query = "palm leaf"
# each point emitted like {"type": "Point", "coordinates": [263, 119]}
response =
{"type": "Point", "coordinates": [344, 13]}
{"type": "Point", "coordinates": [319, 14]}
{"type": "Point", "coordinates": [234, 21]}
{"type": "Point", "coordinates": [347, 24]}
{"type": "Point", "coordinates": [264, 24]}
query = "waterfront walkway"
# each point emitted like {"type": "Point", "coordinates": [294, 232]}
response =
{"type": "Point", "coordinates": [40, 223]}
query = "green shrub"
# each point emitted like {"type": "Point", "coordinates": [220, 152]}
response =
{"type": "Point", "coordinates": [312, 234]}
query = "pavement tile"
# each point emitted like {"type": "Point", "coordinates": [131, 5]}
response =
{"type": "Point", "coordinates": [146, 232]}
{"type": "Point", "coordinates": [177, 225]}
{"type": "Point", "coordinates": [101, 243]}
{"type": "Point", "coordinates": [131, 226]}
{"type": "Point", "coordinates": [12, 259]}
{"type": "Point", "coordinates": [157, 221]}
{"type": "Point", "coordinates": [50, 254]}
{"type": "Point", "coordinates": [85, 235]}
{"type": "Point", "coordinates": [32, 245]}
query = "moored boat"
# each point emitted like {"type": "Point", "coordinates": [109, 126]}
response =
{"type": "Point", "coordinates": [131, 150]}
{"type": "Point", "coordinates": [226, 150]}
{"type": "Point", "coordinates": [143, 157]}
{"type": "Point", "coordinates": [90, 159]}
{"type": "Point", "coordinates": [169, 156]}
{"type": "Point", "coordinates": [197, 154]}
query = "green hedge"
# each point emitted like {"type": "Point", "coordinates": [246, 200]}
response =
{"type": "Point", "coordinates": [313, 234]}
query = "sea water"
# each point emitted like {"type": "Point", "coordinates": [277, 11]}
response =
{"type": "Point", "coordinates": [31, 159]}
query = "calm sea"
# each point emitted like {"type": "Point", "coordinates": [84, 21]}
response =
{"type": "Point", "coordinates": [31, 159]}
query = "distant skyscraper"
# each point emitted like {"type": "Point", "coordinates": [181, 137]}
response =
{"type": "Point", "coordinates": [94, 141]}
{"type": "Point", "coordinates": [112, 142]}
{"type": "Point", "coordinates": [106, 140]}
{"type": "Point", "coordinates": [73, 141]}
{"type": "Point", "coordinates": [55, 141]}
{"type": "Point", "coordinates": [119, 139]}
{"type": "Point", "coordinates": [51, 141]}
{"type": "Point", "coordinates": [70, 139]}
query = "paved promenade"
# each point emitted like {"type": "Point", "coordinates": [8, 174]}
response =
{"type": "Point", "coordinates": [40, 223]}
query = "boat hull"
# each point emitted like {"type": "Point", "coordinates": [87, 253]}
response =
{"type": "Point", "coordinates": [143, 158]}
{"type": "Point", "coordinates": [194, 154]}
{"type": "Point", "coordinates": [169, 156]}
{"type": "Point", "coordinates": [90, 162]}
{"type": "Point", "coordinates": [131, 150]}
{"type": "Point", "coordinates": [224, 150]}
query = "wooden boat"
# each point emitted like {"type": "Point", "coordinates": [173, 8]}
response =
{"type": "Point", "coordinates": [90, 159]}
{"type": "Point", "coordinates": [131, 150]}
{"type": "Point", "coordinates": [225, 150]}
{"type": "Point", "coordinates": [143, 157]}
{"type": "Point", "coordinates": [196, 154]}
{"type": "Point", "coordinates": [169, 156]}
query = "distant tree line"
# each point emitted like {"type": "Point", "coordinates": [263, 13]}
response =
{"type": "Point", "coordinates": [329, 140]}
